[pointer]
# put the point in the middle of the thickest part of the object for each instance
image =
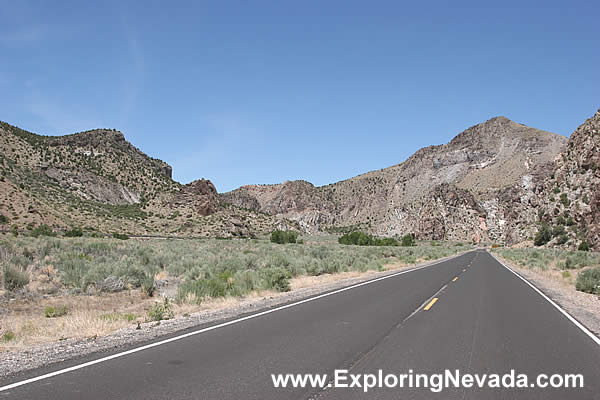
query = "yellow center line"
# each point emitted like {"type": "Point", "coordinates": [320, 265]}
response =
{"type": "Point", "coordinates": [455, 279]}
{"type": "Point", "coordinates": [431, 303]}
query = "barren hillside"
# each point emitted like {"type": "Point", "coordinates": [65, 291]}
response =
{"type": "Point", "coordinates": [99, 181]}
{"type": "Point", "coordinates": [444, 192]}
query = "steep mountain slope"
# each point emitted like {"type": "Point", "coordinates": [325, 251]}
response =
{"type": "Point", "coordinates": [578, 176]}
{"type": "Point", "coordinates": [449, 191]}
{"type": "Point", "coordinates": [98, 180]}
{"type": "Point", "coordinates": [564, 195]}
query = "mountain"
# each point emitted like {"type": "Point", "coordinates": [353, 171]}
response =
{"type": "Point", "coordinates": [564, 195]}
{"type": "Point", "coordinates": [497, 181]}
{"type": "Point", "coordinates": [453, 191]}
{"type": "Point", "coordinates": [98, 180]}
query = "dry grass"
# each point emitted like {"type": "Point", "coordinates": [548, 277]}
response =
{"type": "Point", "coordinates": [559, 266]}
{"type": "Point", "coordinates": [90, 317]}
{"type": "Point", "coordinates": [243, 270]}
{"type": "Point", "coordinates": [87, 317]}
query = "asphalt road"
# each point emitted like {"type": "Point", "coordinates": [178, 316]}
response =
{"type": "Point", "coordinates": [485, 321]}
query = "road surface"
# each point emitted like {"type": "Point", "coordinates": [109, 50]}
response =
{"type": "Point", "coordinates": [468, 313]}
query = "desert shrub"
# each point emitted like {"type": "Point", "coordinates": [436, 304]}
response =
{"type": "Point", "coordinates": [201, 289]}
{"type": "Point", "coordinates": [562, 239]}
{"type": "Point", "coordinates": [230, 268]}
{"type": "Point", "coordinates": [75, 232]}
{"type": "Point", "coordinates": [55, 312]}
{"type": "Point", "coordinates": [408, 240]}
{"type": "Point", "coordinates": [148, 285]}
{"type": "Point", "coordinates": [564, 199]}
{"type": "Point", "coordinates": [161, 311]}
{"type": "Point", "coordinates": [43, 230]}
{"type": "Point", "coordinates": [14, 230]}
{"type": "Point", "coordinates": [543, 236]}
{"type": "Point", "coordinates": [120, 236]}
{"type": "Point", "coordinates": [3, 219]}
{"type": "Point", "coordinates": [8, 336]}
{"type": "Point", "coordinates": [115, 316]}
{"type": "Point", "coordinates": [277, 278]}
{"type": "Point", "coordinates": [570, 263]}
{"type": "Point", "coordinates": [558, 230]}
{"type": "Point", "coordinates": [245, 281]}
{"type": "Point", "coordinates": [134, 275]}
{"type": "Point", "coordinates": [282, 237]}
{"type": "Point", "coordinates": [589, 281]}
{"type": "Point", "coordinates": [14, 278]}
{"type": "Point", "coordinates": [566, 274]}
{"type": "Point", "coordinates": [130, 317]}
{"type": "Point", "coordinates": [584, 246]}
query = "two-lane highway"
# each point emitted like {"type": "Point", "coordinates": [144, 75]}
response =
{"type": "Point", "coordinates": [468, 313]}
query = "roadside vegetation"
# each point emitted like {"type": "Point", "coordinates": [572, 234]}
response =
{"type": "Point", "coordinates": [283, 237]}
{"type": "Point", "coordinates": [206, 267]}
{"type": "Point", "coordinates": [364, 239]}
{"type": "Point", "coordinates": [61, 280]}
{"type": "Point", "coordinates": [580, 269]}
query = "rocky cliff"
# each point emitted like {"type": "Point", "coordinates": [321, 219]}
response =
{"type": "Point", "coordinates": [566, 195]}
{"type": "Point", "coordinates": [451, 191]}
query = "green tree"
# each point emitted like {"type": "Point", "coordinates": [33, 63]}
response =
{"type": "Point", "coordinates": [43, 230]}
{"type": "Point", "coordinates": [584, 246]}
{"type": "Point", "coordinates": [564, 199]}
{"type": "Point", "coordinates": [543, 236]}
{"type": "Point", "coordinates": [282, 237]}
{"type": "Point", "coordinates": [408, 240]}
{"type": "Point", "coordinates": [75, 232]}
{"type": "Point", "coordinates": [558, 230]}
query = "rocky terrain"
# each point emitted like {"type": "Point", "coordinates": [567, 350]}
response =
{"type": "Point", "coordinates": [563, 195]}
{"type": "Point", "coordinates": [98, 181]}
{"type": "Point", "coordinates": [456, 191]}
{"type": "Point", "coordinates": [498, 181]}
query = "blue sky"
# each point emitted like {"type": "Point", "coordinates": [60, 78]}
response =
{"type": "Point", "coordinates": [264, 91]}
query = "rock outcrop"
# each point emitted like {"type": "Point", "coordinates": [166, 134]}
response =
{"type": "Point", "coordinates": [99, 181]}
{"type": "Point", "coordinates": [451, 191]}
{"type": "Point", "coordinates": [566, 196]}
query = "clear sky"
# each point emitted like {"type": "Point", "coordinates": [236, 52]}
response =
{"type": "Point", "coordinates": [265, 91]}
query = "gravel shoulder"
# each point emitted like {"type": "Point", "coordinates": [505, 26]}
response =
{"type": "Point", "coordinates": [584, 307]}
{"type": "Point", "coordinates": [14, 363]}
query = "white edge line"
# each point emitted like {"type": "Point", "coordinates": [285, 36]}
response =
{"type": "Point", "coordinates": [210, 328]}
{"type": "Point", "coordinates": [559, 308]}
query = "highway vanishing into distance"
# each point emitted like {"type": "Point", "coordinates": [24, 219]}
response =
{"type": "Point", "coordinates": [468, 313]}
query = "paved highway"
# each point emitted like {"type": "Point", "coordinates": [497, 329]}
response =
{"type": "Point", "coordinates": [468, 313]}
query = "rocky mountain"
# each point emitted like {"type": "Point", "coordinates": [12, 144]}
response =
{"type": "Point", "coordinates": [497, 181]}
{"type": "Point", "coordinates": [578, 176]}
{"type": "Point", "coordinates": [100, 181]}
{"type": "Point", "coordinates": [452, 191]}
{"type": "Point", "coordinates": [563, 195]}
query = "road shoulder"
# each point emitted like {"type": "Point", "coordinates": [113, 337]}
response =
{"type": "Point", "coordinates": [584, 307]}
